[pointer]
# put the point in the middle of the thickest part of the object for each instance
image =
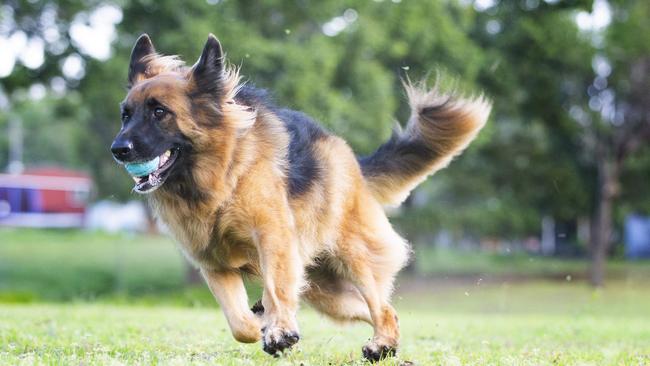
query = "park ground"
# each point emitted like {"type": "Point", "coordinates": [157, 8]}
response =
{"type": "Point", "coordinates": [80, 298]}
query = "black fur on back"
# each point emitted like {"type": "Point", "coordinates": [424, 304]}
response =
{"type": "Point", "coordinates": [304, 169]}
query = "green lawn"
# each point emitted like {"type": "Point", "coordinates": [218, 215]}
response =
{"type": "Point", "coordinates": [69, 265]}
{"type": "Point", "coordinates": [70, 297]}
{"type": "Point", "coordinates": [538, 323]}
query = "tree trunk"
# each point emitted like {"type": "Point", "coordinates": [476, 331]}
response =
{"type": "Point", "coordinates": [602, 223]}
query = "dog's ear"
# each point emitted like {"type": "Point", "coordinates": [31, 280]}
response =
{"type": "Point", "coordinates": [139, 60]}
{"type": "Point", "coordinates": [208, 71]}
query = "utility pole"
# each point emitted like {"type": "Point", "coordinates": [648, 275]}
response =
{"type": "Point", "coordinates": [15, 165]}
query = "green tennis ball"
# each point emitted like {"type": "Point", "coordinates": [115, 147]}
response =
{"type": "Point", "coordinates": [142, 169]}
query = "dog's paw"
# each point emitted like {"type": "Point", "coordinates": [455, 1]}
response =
{"type": "Point", "coordinates": [276, 340]}
{"type": "Point", "coordinates": [375, 352]}
{"type": "Point", "coordinates": [258, 308]}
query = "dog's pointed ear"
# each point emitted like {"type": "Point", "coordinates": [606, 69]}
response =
{"type": "Point", "coordinates": [138, 65]}
{"type": "Point", "coordinates": [208, 71]}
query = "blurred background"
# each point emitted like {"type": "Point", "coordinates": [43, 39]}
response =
{"type": "Point", "coordinates": [553, 195]}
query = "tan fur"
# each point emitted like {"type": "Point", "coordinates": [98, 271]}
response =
{"type": "Point", "coordinates": [333, 244]}
{"type": "Point", "coordinates": [445, 122]}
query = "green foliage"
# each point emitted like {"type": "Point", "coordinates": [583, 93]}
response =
{"type": "Point", "coordinates": [35, 19]}
{"type": "Point", "coordinates": [636, 195]}
{"type": "Point", "coordinates": [529, 57]}
{"type": "Point", "coordinates": [51, 130]}
{"type": "Point", "coordinates": [629, 37]}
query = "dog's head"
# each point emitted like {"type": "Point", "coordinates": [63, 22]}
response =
{"type": "Point", "coordinates": [172, 112]}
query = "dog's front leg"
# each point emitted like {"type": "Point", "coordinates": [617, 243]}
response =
{"type": "Point", "coordinates": [228, 288]}
{"type": "Point", "coordinates": [282, 273]}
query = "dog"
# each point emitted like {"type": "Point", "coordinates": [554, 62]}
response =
{"type": "Point", "coordinates": [248, 187]}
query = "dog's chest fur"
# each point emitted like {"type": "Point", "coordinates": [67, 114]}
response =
{"type": "Point", "coordinates": [201, 237]}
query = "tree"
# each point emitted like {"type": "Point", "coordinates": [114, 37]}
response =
{"type": "Point", "coordinates": [563, 140]}
{"type": "Point", "coordinates": [620, 126]}
{"type": "Point", "coordinates": [526, 163]}
{"type": "Point", "coordinates": [350, 81]}
{"type": "Point", "coordinates": [37, 90]}
{"type": "Point", "coordinates": [46, 27]}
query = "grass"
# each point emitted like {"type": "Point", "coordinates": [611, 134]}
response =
{"type": "Point", "coordinates": [56, 265]}
{"type": "Point", "coordinates": [462, 263]}
{"type": "Point", "coordinates": [70, 297]}
{"type": "Point", "coordinates": [537, 323]}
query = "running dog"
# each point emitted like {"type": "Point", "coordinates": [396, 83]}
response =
{"type": "Point", "coordinates": [248, 187]}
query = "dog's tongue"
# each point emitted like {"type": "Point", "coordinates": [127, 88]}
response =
{"type": "Point", "coordinates": [143, 168]}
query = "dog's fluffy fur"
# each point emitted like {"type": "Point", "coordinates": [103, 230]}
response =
{"type": "Point", "coordinates": [264, 190]}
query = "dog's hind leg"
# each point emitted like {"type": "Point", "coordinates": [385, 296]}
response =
{"type": "Point", "coordinates": [335, 297]}
{"type": "Point", "coordinates": [385, 340]}
{"type": "Point", "coordinates": [228, 288]}
{"type": "Point", "coordinates": [373, 258]}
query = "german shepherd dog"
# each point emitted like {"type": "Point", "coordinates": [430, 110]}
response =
{"type": "Point", "coordinates": [248, 187]}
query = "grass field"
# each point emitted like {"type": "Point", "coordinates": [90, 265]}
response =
{"type": "Point", "coordinates": [537, 323]}
{"type": "Point", "coordinates": [78, 298]}
{"type": "Point", "coordinates": [49, 265]}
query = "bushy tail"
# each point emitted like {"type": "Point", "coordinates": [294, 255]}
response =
{"type": "Point", "coordinates": [440, 127]}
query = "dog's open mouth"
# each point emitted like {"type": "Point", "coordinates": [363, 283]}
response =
{"type": "Point", "coordinates": [150, 175]}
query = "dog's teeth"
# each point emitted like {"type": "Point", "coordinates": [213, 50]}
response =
{"type": "Point", "coordinates": [164, 157]}
{"type": "Point", "coordinates": [154, 180]}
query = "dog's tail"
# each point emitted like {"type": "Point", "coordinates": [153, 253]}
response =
{"type": "Point", "coordinates": [440, 127]}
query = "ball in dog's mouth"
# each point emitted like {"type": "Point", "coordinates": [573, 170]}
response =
{"type": "Point", "coordinates": [151, 174]}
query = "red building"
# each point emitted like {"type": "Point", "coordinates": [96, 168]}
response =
{"type": "Point", "coordinates": [46, 197]}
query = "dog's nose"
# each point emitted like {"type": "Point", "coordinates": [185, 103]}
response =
{"type": "Point", "coordinates": [122, 149]}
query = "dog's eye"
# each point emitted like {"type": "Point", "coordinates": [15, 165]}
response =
{"type": "Point", "coordinates": [159, 112]}
{"type": "Point", "coordinates": [125, 116]}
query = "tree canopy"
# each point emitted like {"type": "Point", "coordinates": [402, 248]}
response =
{"type": "Point", "coordinates": [342, 63]}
